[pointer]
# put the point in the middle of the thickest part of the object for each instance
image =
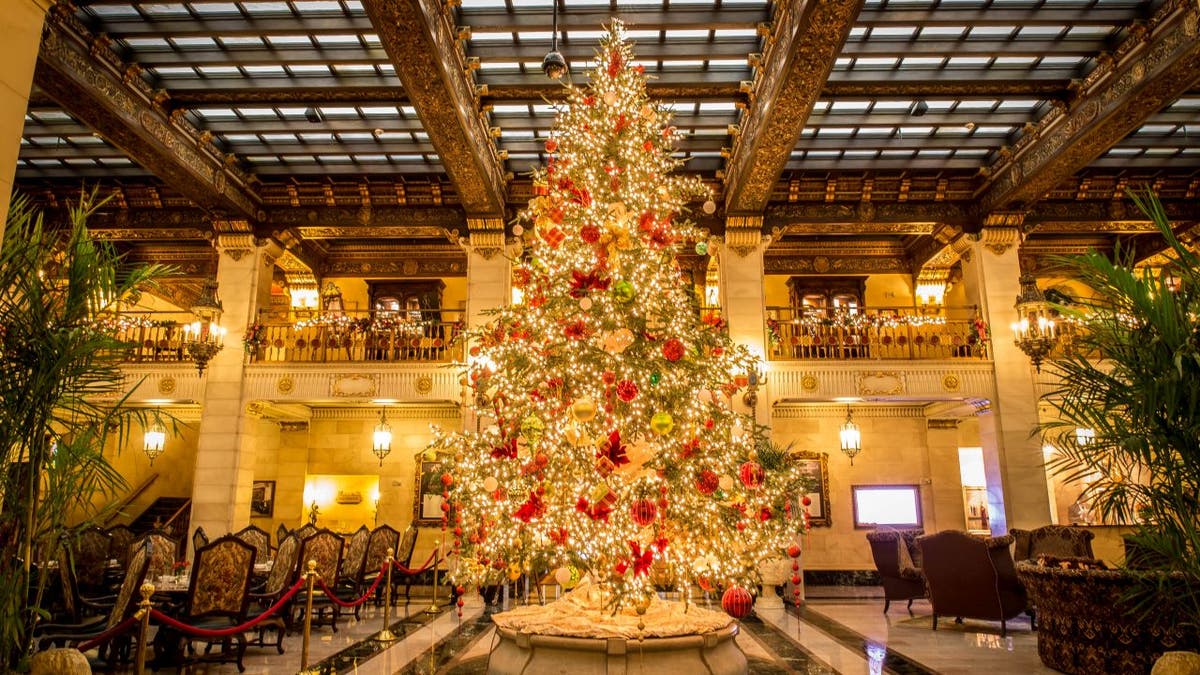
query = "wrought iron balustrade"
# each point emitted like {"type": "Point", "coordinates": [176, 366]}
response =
{"type": "Point", "coordinates": [876, 333]}
{"type": "Point", "coordinates": [150, 337]}
{"type": "Point", "coordinates": [402, 336]}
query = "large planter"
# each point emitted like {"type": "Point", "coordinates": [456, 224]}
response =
{"type": "Point", "coordinates": [774, 572]}
{"type": "Point", "coordinates": [715, 652]}
{"type": "Point", "coordinates": [1084, 626]}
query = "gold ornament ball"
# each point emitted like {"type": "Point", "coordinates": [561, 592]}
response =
{"type": "Point", "coordinates": [584, 409]}
{"type": "Point", "coordinates": [514, 571]}
{"type": "Point", "coordinates": [430, 455]}
{"type": "Point", "coordinates": [662, 423]}
{"type": "Point", "coordinates": [491, 484]}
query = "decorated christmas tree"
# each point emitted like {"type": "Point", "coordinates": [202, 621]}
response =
{"type": "Point", "coordinates": [609, 445]}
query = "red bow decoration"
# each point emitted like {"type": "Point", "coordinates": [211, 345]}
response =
{"type": "Point", "coordinates": [613, 450]}
{"type": "Point", "coordinates": [581, 196]}
{"type": "Point", "coordinates": [598, 511]}
{"type": "Point", "coordinates": [533, 507]}
{"type": "Point", "coordinates": [592, 281]}
{"type": "Point", "coordinates": [577, 331]}
{"type": "Point", "coordinates": [560, 537]}
{"type": "Point", "coordinates": [642, 560]}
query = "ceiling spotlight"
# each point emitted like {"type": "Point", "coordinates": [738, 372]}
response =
{"type": "Point", "coordinates": [554, 65]}
{"type": "Point", "coordinates": [969, 126]}
{"type": "Point", "coordinates": [919, 108]}
{"type": "Point", "coordinates": [378, 133]}
{"type": "Point", "coordinates": [313, 115]}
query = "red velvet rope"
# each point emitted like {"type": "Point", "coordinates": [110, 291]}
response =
{"type": "Point", "coordinates": [428, 564]}
{"type": "Point", "coordinates": [108, 634]}
{"type": "Point", "coordinates": [232, 630]}
{"type": "Point", "coordinates": [353, 603]}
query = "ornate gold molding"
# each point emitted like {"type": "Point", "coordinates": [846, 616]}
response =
{"type": "Point", "coordinates": [941, 424]}
{"type": "Point", "coordinates": [999, 240]}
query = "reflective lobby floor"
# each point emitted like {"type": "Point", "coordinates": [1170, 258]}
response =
{"type": "Point", "coordinates": [838, 630]}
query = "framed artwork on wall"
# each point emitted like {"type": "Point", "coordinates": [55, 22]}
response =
{"type": "Point", "coordinates": [815, 466]}
{"type": "Point", "coordinates": [262, 499]}
{"type": "Point", "coordinates": [427, 498]}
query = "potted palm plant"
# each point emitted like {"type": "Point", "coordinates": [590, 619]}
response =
{"type": "Point", "coordinates": [60, 398]}
{"type": "Point", "coordinates": [1133, 378]}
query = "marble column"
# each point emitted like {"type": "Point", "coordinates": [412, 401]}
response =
{"type": "Point", "coordinates": [225, 447]}
{"type": "Point", "coordinates": [743, 300]}
{"type": "Point", "coordinates": [1013, 460]}
{"type": "Point", "coordinates": [945, 480]}
{"type": "Point", "coordinates": [21, 25]}
{"type": "Point", "coordinates": [489, 274]}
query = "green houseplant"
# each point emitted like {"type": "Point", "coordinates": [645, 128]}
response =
{"type": "Point", "coordinates": [60, 398]}
{"type": "Point", "coordinates": [1134, 378]}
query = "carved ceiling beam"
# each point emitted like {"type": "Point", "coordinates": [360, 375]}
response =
{"type": "Point", "coordinates": [1155, 65]}
{"type": "Point", "coordinates": [83, 75]}
{"type": "Point", "coordinates": [867, 217]}
{"type": "Point", "coordinates": [836, 257]}
{"type": "Point", "coordinates": [392, 260]}
{"type": "Point", "coordinates": [801, 49]}
{"type": "Point", "coordinates": [419, 37]}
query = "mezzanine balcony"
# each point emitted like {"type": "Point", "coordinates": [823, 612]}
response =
{"type": "Point", "coordinates": [904, 333]}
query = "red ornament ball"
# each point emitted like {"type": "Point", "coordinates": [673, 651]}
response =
{"type": "Point", "coordinates": [672, 350]}
{"type": "Point", "coordinates": [627, 391]}
{"type": "Point", "coordinates": [737, 602]}
{"type": "Point", "coordinates": [764, 514]}
{"type": "Point", "coordinates": [707, 482]}
{"type": "Point", "coordinates": [551, 144]}
{"type": "Point", "coordinates": [796, 579]}
{"type": "Point", "coordinates": [447, 479]}
{"type": "Point", "coordinates": [751, 474]}
{"type": "Point", "coordinates": [609, 377]}
{"type": "Point", "coordinates": [589, 233]}
{"type": "Point", "coordinates": [806, 501]}
{"type": "Point", "coordinates": [643, 512]}
{"type": "Point", "coordinates": [794, 551]}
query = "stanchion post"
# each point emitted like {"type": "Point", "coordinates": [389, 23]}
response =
{"type": "Point", "coordinates": [144, 606]}
{"type": "Point", "coordinates": [434, 607]}
{"type": "Point", "coordinates": [386, 634]}
{"type": "Point", "coordinates": [312, 577]}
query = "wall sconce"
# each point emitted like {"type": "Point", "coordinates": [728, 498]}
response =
{"type": "Point", "coordinates": [154, 440]}
{"type": "Point", "coordinates": [851, 437]}
{"type": "Point", "coordinates": [381, 443]}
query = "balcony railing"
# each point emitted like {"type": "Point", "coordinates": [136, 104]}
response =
{"type": "Point", "coordinates": [875, 333]}
{"type": "Point", "coordinates": [153, 337]}
{"type": "Point", "coordinates": [404, 336]}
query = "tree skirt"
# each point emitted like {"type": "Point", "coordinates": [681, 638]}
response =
{"type": "Point", "coordinates": [581, 613]}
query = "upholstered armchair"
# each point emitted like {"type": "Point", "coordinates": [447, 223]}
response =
{"type": "Point", "coordinates": [163, 550]}
{"type": "Point", "coordinates": [350, 574]}
{"type": "Point", "coordinates": [324, 547]}
{"type": "Point", "coordinates": [218, 597]}
{"type": "Point", "coordinates": [283, 574]}
{"type": "Point", "coordinates": [382, 538]}
{"type": "Point", "coordinates": [1061, 541]}
{"type": "Point", "coordinates": [971, 577]}
{"type": "Point", "coordinates": [1085, 622]}
{"type": "Point", "coordinates": [90, 560]}
{"type": "Point", "coordinates": [199, 539]}
{"type": "Point", "coordinates": [899, 569]}
{"type": "Point", "coordinates": [404, 554]}
{"type": "Point", "coordinates": [259, 539]}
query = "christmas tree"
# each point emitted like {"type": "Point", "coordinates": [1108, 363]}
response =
{"type": "Point", "coordinates": [609, 444]}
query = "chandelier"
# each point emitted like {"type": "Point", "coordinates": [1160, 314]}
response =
{"type": "Point", "coordinates": [154, 440]}
{"type": "Point", "coordinates": [381, 444]}
{"type": "Point", "coordinates": [851, 437]}
{"type": "Point", "coordinates": [1033, 331]}
{"type": "Point", "coordinates": [205, 337]}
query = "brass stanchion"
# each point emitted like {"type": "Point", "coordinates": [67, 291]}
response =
{"type": "Point", "coordinates": [312, 577]}
{"type": "Point", "coordinates": [434, 607]}
{"type": "Point", "coordinates": [386, 634]}
{"type": "Point", "coordinates": [143, 614]}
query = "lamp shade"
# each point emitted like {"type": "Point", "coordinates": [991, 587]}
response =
{"type": "Point", "coordinates": [381, 440]}
{"type": "Point", "coordinates": [851, 438]}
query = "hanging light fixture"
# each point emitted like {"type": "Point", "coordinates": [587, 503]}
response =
{"type": "Point", "coordinates": [154, 440]}
{"type": "Point", "coordinates": [205, 337]}
{"type": "Point", "coordinates": [851, 437]}
{"type": "Point", "coordinates": [1033, 331]}
{"type": "Point", "coordinates": [554, 64]}
{"type": "Point", "coordinates": [382, 440]}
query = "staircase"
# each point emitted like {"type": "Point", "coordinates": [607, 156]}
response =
{"type": "Point", "coordinates": [159, 512]}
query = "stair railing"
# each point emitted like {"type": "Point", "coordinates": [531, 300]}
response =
{"type": "Point", "coordinates": [125, 501]}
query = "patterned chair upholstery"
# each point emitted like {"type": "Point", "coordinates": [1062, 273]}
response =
{"type": "Point", "coordinates": [382, 538]}
{"type": "Point", "coordinates": [971, 577]}
{"type": "Point", "coordinates": [283, 574]}
{"type": "Point", "coordinates": [91, 557]}
{"type": "Point", "coordinates": [1061, 541]}
{"type": "Point", "coordinates": [199, 539]}
{"type": "Point", "coordinates": [1085, 624]}
{"type": "Point", "coordinates": [896, 558]}
{"type": "Point", "coordinates": [305, 531]}
{"type": "Point", "coordinates": [404, 554]}
{"type": "Point", "coordinates": [280, 533]}
{"type": "Point", "coordinates": [120, 537]}
{"type": "Point", "coordinates": [259, 539]}
{"type": "Point", "coordinates": [325, 548]}
{"type": "Point", "coordinates": [219, 595]}
{"type": "Point", "coordinates": [162, 553]}
{"type": "Point", "coordinates": [351, 573]}
{"type": "Point", "coordinates": [124, 606]}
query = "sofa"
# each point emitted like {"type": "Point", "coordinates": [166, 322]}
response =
{"type": "Point", "coordinates": [1055, 540]}
{"type": "Point", "coordinates": [1085, 624]}
{"type": "Point", "coordinates": [898, 561]}
{"type": "Point", "coordinates": [971, 577]}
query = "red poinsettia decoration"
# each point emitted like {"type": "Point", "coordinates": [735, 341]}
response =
{"type": "Point", "coordinates": [613, 449]}
{"type": "Point", "coordinates": [614, 63]}
{"type": "Point", "coordinates": [597, 511]}
{"type": "Point", "coordinates": [672, 350]}
{"type": "Point", "coordinates": [642, 560]}
{"type": "Point", "coordinates": [533, 507]}
{"type": "Point", "coordinates": [581, 283]}
{"type": "Point", "coordinates": [506, 450]}
{"type": "Point", "coordinates": [577, 330]}
{"type": "Point", "coordinates": [589, 233]}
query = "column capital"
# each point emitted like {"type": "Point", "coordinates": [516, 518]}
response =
{"type": "Point", "coordinates": [743, 234]}
{"type": "Point", "coordinates": [999, 239]}
{"type": "Point", "coordinates": [941, 423]}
